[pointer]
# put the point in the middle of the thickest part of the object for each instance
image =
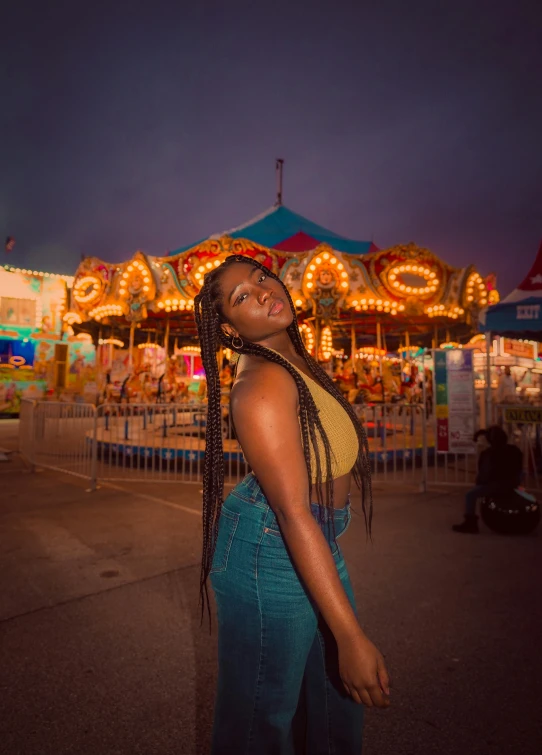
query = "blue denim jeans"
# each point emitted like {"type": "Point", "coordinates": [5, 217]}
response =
{"type": "Point", "coordinates": [276, 655]}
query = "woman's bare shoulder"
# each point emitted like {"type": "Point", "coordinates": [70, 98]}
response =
{"type": "Point", "coordinates": [265, 379]}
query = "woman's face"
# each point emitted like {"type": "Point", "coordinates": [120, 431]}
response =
{"type": "Point", "coordinates": [254, 305]}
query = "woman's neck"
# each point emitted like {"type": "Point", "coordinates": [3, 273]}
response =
{"type": "Point", "coordinates": [282, 344]}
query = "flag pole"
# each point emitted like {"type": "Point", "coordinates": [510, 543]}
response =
{"type": "Point", "coordinates": [278, 169]}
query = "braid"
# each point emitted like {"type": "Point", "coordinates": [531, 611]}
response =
{"type": "Point", "coordinates": [207, 310]}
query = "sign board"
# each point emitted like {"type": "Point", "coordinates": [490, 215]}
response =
{"type": "Point", "coordinates": [527, 414]}
{"type": "Point", "coordinates": [515, 348]}
{"type": "Point", "coordinates": [454, 400]}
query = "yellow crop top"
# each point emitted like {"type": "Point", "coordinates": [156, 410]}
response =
{"type": "Point", "coordinates": [341, 433]}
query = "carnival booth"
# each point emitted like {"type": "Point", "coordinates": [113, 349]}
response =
{"type": "Point", "coordinates": [514, 330]}
{"type": "Point", "coordinates": [38, 357]}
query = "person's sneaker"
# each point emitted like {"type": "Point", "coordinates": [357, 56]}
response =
{"type": "Point", "coordinates": [469, 526]}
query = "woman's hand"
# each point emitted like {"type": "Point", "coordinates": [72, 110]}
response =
{"type": "Point", "coordinates": [363, 671]}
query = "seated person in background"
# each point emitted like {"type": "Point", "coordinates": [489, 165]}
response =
{"type": "Point", "coordinates": [499, 471]}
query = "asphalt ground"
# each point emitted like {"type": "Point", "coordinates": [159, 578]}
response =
{"type": "Point", "coordinates": [102, 651]}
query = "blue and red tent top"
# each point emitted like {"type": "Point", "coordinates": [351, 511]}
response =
{"type": "Point", "coordinates": [285, 230]}
{"type": "Point", "coordinates": [520, 313]}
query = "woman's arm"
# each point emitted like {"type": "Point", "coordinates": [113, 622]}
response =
{"type": "Point", "coordinates": [267, 426]}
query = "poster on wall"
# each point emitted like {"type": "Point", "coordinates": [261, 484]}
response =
{"type": "Point", "coordinates": [455, 406]}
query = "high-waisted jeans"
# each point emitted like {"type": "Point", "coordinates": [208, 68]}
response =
{"type": "Point", "coordinates": [276, 655]}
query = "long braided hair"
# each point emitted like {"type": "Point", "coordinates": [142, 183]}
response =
{"type": "Point", "coordinates": [209, 317]}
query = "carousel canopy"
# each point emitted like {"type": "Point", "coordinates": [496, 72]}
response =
{"type": "Point", "coordinates": [285, 230]}
{"type": "Point", "coordinates": [520, 313]}
{"type": "Point", "coordinates": [405, 287]}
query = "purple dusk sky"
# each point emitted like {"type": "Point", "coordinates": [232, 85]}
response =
{"type": "Point", "coordinates": [131, 125]}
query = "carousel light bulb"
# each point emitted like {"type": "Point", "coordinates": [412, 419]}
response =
{"type": "Point", "coordinates": [396, 284]}
{"type": "Point", "coordinates": [333, 260]}
{"type": "Point", "coordinates": [402, 287]}
{"type": "Point", "coordinates": [436, 282]}
{"type": "Point", "coordinates": [309, 276]}
{"type": "Point", "coordinates": [401, 307]}
{"type": "Point", "coordinates": [198, 276]}
{"type": "Point", "coordinates": [414, 268]}
{"type": "Point", "coordinates": [216, 263]}
{"type": "Point", "coordinates": [208, 265]}
{"type": "Point", "coordinates": [340, 266]}
{"type": "Point", "coordinates": [386, 309]}
{"type": "Point", "coordinates": [379, 308]}
{"type": "Point", "coordinates": [309, 284]}
{"type": "Point", "coordinates": [408, 268]}
{"type": "Point", "coordinates": [145, 288]}
{"type": "Point", "coordinates": [364, 301]}
{"type": "Point", "coordinates": [325, 255]}
{"type": "Point", "coordinates": [344, 284]}
{"type": "Point", "coordinates": [371, 301]}
{"type": "Point", "coordinates": [160, 305]}
{"type": "Point", "coordinates": [168, 309]}
{"type": "Point", "coordinates": [298, 302]}
{"type": "Point", "coordinates": [394, 311]}
{"type": "Point", "coordinates": [358, 308]}
{"type": "Point", "coordinates": [392, 276]}
{"type": "Point", "coordinates": [318, 260]}
{"type": "Point", "coordinates": [432, 275]}
{"type": "Point", "coordinates": [168, 302]}
{"type": "Point", "coordinates": [355, 303]}
{"type": "Point", "coordinates": [130, 268]}
{"type": "Point", "coordinates": [344, 274]}
{"type": "Point", "coordinates": [312, 267]}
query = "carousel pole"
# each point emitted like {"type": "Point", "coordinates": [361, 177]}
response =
{"type": "Point", "coordinates": [488, 379]}
{"type": "Point", "coordinates": [317, 333]}
{"type": "Point", "coordinates": [131, 347]}
{"type": "Point", "coordinates": [353, 341]}
{"type": "Point", "coordinates": [166, 339]}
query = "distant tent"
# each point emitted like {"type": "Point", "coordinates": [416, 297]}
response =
{"type": "Point", "coordinates": [520, 313]}
{"type": "Point", "coordinates": [285, 230]}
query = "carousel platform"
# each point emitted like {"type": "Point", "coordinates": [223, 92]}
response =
{"type": "Point", "coordinates": [136, 440]}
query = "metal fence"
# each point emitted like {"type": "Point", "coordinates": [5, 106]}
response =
{"type": "Point", "coordinates": [59, 436]}
{"type": "Point", "coordinates": [163, 443]}
{"type": "Point", "coordinates": [166, 442]}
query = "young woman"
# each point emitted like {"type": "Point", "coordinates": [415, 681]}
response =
{"type": "Point", "coordinates": [289, 637]}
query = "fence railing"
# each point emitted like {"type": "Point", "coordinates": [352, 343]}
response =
{"type": "Point", "coordinates": [166, 443]}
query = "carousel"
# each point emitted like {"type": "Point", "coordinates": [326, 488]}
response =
{"type": "Point", "coordinates": [353, 310]}
{"type": "Point", "coordinates": [366, 317]}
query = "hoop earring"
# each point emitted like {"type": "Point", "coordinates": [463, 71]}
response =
{"type": "Point", "coordinates": [237, 345]}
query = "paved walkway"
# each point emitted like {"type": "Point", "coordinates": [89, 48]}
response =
{"type": "Point", "coordinates": [101, 650]}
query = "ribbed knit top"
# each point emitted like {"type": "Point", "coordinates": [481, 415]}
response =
{"type": "Point", "coordinates": [340, 431]}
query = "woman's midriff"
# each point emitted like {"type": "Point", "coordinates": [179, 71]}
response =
{"type": "Point", "coordinates": [341, 489]}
